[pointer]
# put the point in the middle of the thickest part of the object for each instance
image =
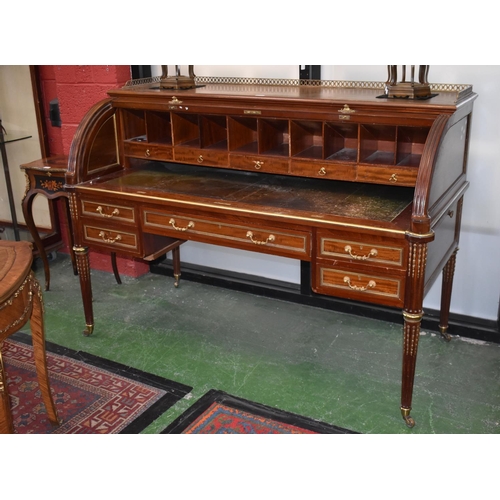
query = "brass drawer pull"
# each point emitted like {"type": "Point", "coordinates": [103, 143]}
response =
{"type": "Point", "coordinates": [270, 238]}
{"type": "Point", "coordinates": [371, 284]}
{"type": "Point", "coordinates": [393, 178]}
{"type": "Point", "coordinates": [200, 159]}
{"type": "Point", "coordinates": [373, 253]}
{"type": "Point", "coordinates": [189, 226]}
{"type": "Point", "coordinates": [346, 109]}
{"type": "Point", "coordinates": [109, 240]}
{"type": "Point", "coordinates": [148, 152]}
{"type": "Point", "coordinates": [322, 171]}
{"type": "Point", "coordinates": [112, 214]}
{"type": "Point", "coordinates": [258, 164]}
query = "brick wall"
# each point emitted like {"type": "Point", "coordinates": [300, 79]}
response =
{"type": "Point", "coordinates": [78, 88]}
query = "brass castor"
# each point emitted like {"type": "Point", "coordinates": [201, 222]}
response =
{"type": "Point", "coordinates": [88, 331]}
{"type": "Point", "coordinates": [405, 412]}
{"type": "Point", "coordinates": [444, 333]}
{"type": "Point", "coordinates": [176, 282]}
{"type": "Point", "coordinates": [409, 422]}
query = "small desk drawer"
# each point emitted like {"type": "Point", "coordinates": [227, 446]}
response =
{"type": "Point", "coordinates": [387, 175]}
{"type": "Point", "coordinates": [148, 150]}
{"type": "Point", "coordinates": [50, 184]}
{"type": "Point", "coordinates": [323, 170]}
{"type": "Point", "coordinates": [259, 163]}
{"type": "Point", "coordinates": [295, 244]}
{"type": "Point", "coordinates": [112, 239]}
{"type": "Point", "coordinates": [108, 211]}
{"type": "Point", "coordinates": [360, 249]}
{"type": "Point", "coordinates": [196, 156]}
{"type": "Point", "coordinates": [380, 288]}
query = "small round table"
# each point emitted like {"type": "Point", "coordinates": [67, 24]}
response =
{"type": "Point", "coordinates": [20, 301]}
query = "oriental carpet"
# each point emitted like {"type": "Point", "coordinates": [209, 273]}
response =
{"type": "Point", "coordinates": [220, 413]}
{"type": "Point", "coordinates": [92, 395]}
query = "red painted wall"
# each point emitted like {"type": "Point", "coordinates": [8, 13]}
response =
{"type": "Point", "coordinates": [78, 88]}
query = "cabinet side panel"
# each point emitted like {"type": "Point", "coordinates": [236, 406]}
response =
{"type": "Point", "coordinates": [451, 160]}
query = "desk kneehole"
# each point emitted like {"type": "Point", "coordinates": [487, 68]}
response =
{"type": "Point", "coordinates": [279, 241]}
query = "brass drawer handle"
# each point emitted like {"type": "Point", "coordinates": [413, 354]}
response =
{"type": "Point", "coordinates": [189, 226]}
{"type": "Point", "coordinates": [200, 159]}
{"type": "Point", "coordinates": [322, 171]}
{"type": "Point", "coordinates": [112, 214]}
{"type": "Point", "coordinates": [148, 152]}
{"type": "Point", "coordinates": [258, 164]}
{"type": "Point", "coordinates": [269, 239]}
{"type": "Point", "coordinates": [109, 240]}
{"type": "Point", "coordinates": [393, 178]}
{"type": "Point", "coordinates": [346, 109]}
{"type": "Point", "coordinates": [371, 284]}
{"type": "Point", "coordinates": [373, 253]}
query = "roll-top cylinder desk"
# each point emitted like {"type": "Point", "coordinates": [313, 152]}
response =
{"type": "Point", "coordinates": [366, 188]}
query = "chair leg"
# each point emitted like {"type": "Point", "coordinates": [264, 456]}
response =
{"type": "Point", "coordinates": [38, 339]}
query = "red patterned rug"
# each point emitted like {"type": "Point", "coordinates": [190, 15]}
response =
{"type": "Point", "coordinates": [220, 413]}
{"type": "Point", "coordinates": [92, 395]}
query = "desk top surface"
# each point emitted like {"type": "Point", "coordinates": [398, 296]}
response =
{"type": "Point", "coordinates": [56, 163]}
{"type": "Point", "coordinates": [274, 195]}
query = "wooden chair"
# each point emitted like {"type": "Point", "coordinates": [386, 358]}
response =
{"type": "Point", "coordinates": [20, 301]}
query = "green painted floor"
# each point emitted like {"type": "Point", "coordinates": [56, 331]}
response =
{"type": "Point", "coordinates": [334, 367]}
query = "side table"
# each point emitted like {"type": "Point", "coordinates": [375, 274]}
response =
{"type": "Point", "coordinates": [46, 176]}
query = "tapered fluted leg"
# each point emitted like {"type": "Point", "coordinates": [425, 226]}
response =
{"type": "Point", "coordinates": [447, 286]}
{"type": "Point", "coordinates": [410, 347]}
{"type": "Point", "coordinates": [65, 202]}
{"type": "Point", "coordinates": [412, 315]}
{"type": "Point", "coordinates": [83, 265]}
